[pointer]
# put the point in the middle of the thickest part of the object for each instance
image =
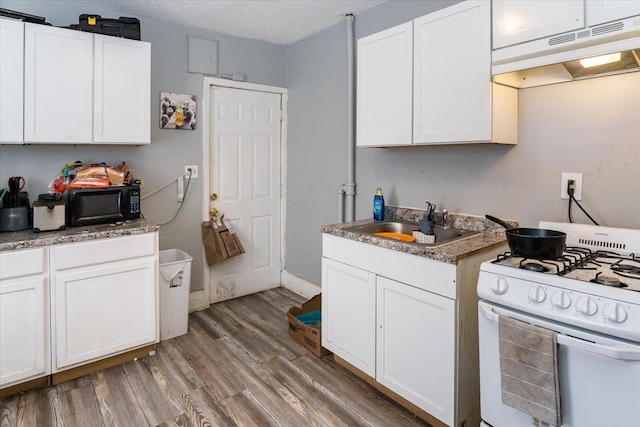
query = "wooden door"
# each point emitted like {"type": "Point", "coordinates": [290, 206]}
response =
{"type": "Point", "coordinates": [452, 75]}
{"type": "Point", "coordinates": [385, 90]}
{"type": "Point", "coordinates": [103, 309]}
{"type": "Point", "coordinates": [349, 314]}
{"type": "Point", "coordinates": [245, 138]}
{"type": "Point", "coordinates": [24, 337]}
{"type": "Point", "coordinates": [11, 80]}
{"type": "Point", "coordinates": [58, 67]}
{"type": "Point", "coordinates": [122, 91]}
{"type": "Point", "coordinates": [415, 347]}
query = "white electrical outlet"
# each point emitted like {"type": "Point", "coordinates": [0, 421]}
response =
{"type": "Point", "coordinates": [577, 177]}
{"type": "Point", "coordinates": [180, 188]}
{"type": "Point", "coordinates": [194, 171]}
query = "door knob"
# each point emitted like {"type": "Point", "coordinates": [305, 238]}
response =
{"type": "Point", "coordinates": [213, 213]}
{"type": "Point", "coordinates": [213, 197]}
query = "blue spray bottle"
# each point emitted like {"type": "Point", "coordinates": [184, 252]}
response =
{"type": "Point", "coordinates": [378, 205]}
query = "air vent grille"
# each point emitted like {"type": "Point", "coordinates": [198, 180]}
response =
{"type": "Point", "coordinates": [566, 38]}
{"type": "Point", "coordinates": [609, 28]}
{"type": "Point", "coordinates": [602, 244]}
{"type": "Point", "coordinates": [583, 34]}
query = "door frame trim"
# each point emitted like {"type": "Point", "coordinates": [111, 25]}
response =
{"type": "Point", "coordinates": [200, 300]}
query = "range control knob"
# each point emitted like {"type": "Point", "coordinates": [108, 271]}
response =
{"type": "Point", "coordinates": [561, 300]}
{"type": "Point", "coordinates": [500, 286]}
{"type": "Point", "coordinates": [537, 294]}
{"type": "Point", "coordinates": [587, 306]}
{"type": "Point", "coordinates": [615, 313]}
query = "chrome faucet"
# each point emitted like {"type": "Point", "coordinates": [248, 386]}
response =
{"type": "Point", "coordinates": [433, 217]}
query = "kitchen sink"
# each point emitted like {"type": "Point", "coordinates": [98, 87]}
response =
{"type": "Point", "coordinates": [443, 235]}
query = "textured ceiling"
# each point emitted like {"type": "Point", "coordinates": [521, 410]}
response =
{"type": "Point", "coordinates": [275, 21]}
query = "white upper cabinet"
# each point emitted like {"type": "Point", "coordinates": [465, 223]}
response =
{"type": "Point", "coordinates": [384, 87]}
{"type": "Point", "coordinates": [518, 21]}
{"type": "Point", "coordinates": [429, 82]}
{"type": "Point", "coordinates": [452, 75]}
{"type": "Point", "coordinates": [58, 85]}
{"type": "Point", "coordinates": [601, 11]}
{"type": "Point", "coordinates": [11, 80]}
{"type": "Point", "coordinates": [83, 88]}
{"type": "Point", "coordinates": [122, 91]}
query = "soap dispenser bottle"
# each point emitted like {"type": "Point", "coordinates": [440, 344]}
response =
{"type": "Point", "coordinates": [378, 205]}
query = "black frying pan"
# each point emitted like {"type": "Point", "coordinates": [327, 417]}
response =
{"type": "Point", "coordinates": [533, 242]}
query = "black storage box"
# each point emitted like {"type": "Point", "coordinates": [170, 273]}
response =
{"type": "Point", "coordinates": [128, 28]}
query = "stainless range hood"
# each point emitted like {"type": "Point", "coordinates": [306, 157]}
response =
{"type": "Point", "coordinates": [615, 48]}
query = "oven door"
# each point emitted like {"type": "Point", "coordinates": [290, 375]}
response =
{"type": "Point", "coordinates": [599, 375]}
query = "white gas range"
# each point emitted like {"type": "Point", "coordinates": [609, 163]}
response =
{"type": "Point", "coordinates": [591, 298]}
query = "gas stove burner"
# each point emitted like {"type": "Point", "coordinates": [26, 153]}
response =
{"type": "Point", "coordinates": [608, 280]}
{"type": "Point", "coordinates": [534, 266]}
{"type": "Point", "coordinates": [605, 280]}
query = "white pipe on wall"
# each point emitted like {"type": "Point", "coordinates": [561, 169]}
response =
{"type": "Point", "coordinates": [350, 186]}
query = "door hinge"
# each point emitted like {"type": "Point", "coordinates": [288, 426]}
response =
{"type": "Point", "coordinates": [281, 115]}
{"type": "Point", "coordinates": [281, 190]}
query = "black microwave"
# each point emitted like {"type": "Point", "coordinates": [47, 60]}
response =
{"type": "Point", "coordinates": [87, 206]}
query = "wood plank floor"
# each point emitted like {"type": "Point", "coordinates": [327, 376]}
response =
{"type": "Point", "coordinates": [237, 366]}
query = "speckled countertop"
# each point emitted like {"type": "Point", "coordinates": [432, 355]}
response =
{"type": "Point", "coordinates": [491, 234]}
{"type": "Point", "coordinates": [28, 239]}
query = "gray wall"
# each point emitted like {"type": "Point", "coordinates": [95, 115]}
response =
{"type": "Point", "coordinates": [170, 149]}
{"type": "Point", "coordinates": [590, 127]}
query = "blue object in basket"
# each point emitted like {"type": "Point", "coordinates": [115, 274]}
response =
{"type": "Point", "coordinates": [310, 318]}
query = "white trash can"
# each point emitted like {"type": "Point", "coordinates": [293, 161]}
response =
{"type": "Point", "coordinates": [175, 281]}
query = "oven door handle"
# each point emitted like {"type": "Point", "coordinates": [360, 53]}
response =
{"type": "Point", "coordinates": [488, 312]}
{"type": "Point", "coordinates": [614, 352]}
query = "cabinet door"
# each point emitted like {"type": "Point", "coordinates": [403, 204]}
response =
{"type": "Point", "coordinates": [24, 326]}
{"type": "Point", "coordinates": [452, 75]}
{"type": "Point", "coordinates": [11, 80]}
{"type": "Point", "coordinates": [103, 310]}
{"type": "Point", "coordinates": [416, 346]}
{"type": "Point", "coordinates": [384, 87]}
{"type": "Point", "coordinates": [601, 11]}
{"type": "Point", "coordinates": [348, 314]}
{"type": "Point", "coordinates": [518, 21]}
{"type": "Point", "coordinates": [122, 91]}
{"type": "Point", "coordinates": [58, 85]}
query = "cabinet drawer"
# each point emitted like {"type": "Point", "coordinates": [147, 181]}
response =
{"type": "Point", "coordinates": [101, 251]}
{"type": "Point", "coordinates": [22, 263]}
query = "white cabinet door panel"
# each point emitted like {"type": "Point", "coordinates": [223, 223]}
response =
{"type": "Point", "coordinates": [58, 85]}
{"type": "Point", "coordinates": [416, 347]}
{"type": "Point", "coordinates": [348, 314]}
{"type": "Point", "coordinates": [384, 87]}
{"type": "Point", "coordinates": [11, 80]}
{"type": "Point", "coordinates": [122, 91]}
{"type": "Point", "coordinates": [601, 11]}
{"type": "Point", "coordinates": [452, 75]}
{"type": "Point", "coordinates": [26, 262]}
{"type": "Point", "coordinates": [518, 21]}
{"type": "Point", "coordinates": [104, 310]}
{"type": "Point", "coordinates": [101, 251]}
{"type": "Point", "coordinates": [24, 330]}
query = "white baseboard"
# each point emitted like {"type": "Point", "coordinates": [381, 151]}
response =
{"type": "Point", "coordinates": [197, 301]}
{"type": "Point", "coordinates": [299, 285]}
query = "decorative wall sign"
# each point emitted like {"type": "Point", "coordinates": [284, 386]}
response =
{"type": "Point", "coordinates": [177, 111]}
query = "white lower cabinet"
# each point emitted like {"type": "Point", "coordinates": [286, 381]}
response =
{"type": "Point", "coordinates": [349, 298]}
{"type": "Point", "coordinates": [408, 322]}
{"type": "Point", "coordinates": [103, 302]}
{"type": "Point", "coordinates": [415, 351]}
{"type": "Point", "coordinates": [98, 298]}
{"type": "Point", "coordinates": [24, 317]}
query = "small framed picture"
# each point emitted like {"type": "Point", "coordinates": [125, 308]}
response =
{"type": "Point", "coordinates": [177, 111]}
